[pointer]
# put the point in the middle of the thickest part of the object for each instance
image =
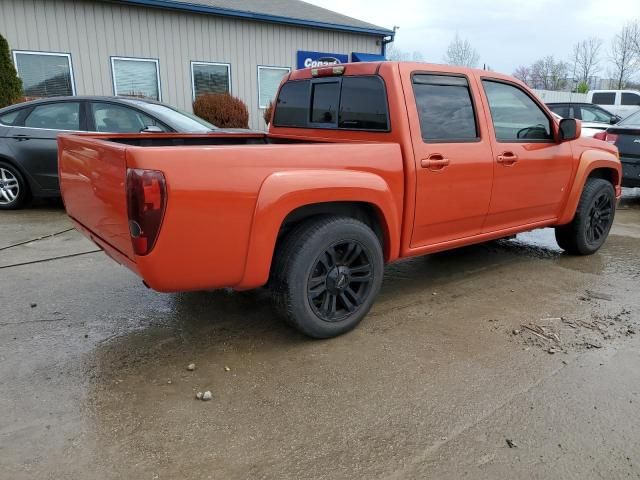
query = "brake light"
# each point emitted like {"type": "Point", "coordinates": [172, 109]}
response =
{"type": "Point", "coordinates": [330, 71]}
{"type": "Point", "coordinates": [607, 137]}
{"type": "Point", "coordinates": [146, 202]}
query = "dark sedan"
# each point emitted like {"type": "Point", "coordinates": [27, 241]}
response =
{"type": "Point", "coordinates": [626, 136]}
{"type": "Point", "coordinates": [587, 112]}
{"type": "Point", "coordinates": [28, 131]}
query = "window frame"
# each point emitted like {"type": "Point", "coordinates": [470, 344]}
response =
{"type": "Point", "coordinates": [261, 106]}
{"type": "Point", "coordinates": [334, 126]}
{"type": "Point", "coordinates": [14, 54]}
{"type": "Point", "coordinates": [193, 78]}
{"type": "Point", "coordinates": [134, 59]}
{"type": "Point", "coordinates": [478, 137]}
{"type": "Point", "coordinates": [539, 103]}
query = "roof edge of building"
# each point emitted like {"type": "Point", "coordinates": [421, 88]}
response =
{"type": "Point", "coordinates": [263, 17]}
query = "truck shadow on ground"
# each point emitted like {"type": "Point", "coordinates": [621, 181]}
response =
{"type": "Point", "coordinates": [208, 324]}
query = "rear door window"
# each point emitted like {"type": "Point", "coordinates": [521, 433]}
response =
{"type": "Point", "coordinates": [55, 116]}
{"type": "Point", "coordinates": [445, 108]}
{"type": "Point", "coordinates": [630, 99]}
{"type": "Point", "coordinates": [604, 98]}
{"type": "Point", "coordinates": [11, 118]}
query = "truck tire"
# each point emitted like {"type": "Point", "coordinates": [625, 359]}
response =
{"type": "Point", "coordinates": [327, 274]}
{"type": "Point", "coordinates": [13, 188]}
{"type": "Point", "coordinates": [590, 227]}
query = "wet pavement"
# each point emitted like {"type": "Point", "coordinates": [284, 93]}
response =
{"type": "Point", "coordinates": [504, 360]}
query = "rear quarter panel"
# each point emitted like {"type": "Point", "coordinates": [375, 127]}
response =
{"type": "Point", "coordinates": [216, 209]}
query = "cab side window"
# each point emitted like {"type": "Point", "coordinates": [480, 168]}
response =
{"type": "Point", "coordinates": [445, 108]}
{"type": "Point", "coordinates": [516, 117]}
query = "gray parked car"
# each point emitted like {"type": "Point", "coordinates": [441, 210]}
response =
{"type": "Point", "coordinates": [28, 131]}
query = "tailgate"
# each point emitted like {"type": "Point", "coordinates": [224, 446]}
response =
{"type": "Point", "coordinates": [92, 181]}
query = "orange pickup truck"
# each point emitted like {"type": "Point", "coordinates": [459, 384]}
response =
{"type": "Point", "coordinates": [363, 164]}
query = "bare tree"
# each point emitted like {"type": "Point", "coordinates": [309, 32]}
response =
{"type": "Point", "coordinates": [393, 53]}
{"type": "Point", "coordinates": [460, 52]}
{"type": "Point", "coordinates": [523, 73]}
{"type": "Point", "coordinates": [624, 54]}
{"type": "Point", "coordinates": [548, 74]}
{"type": "Point", "coordinates": [586, 58]}
{"type": "Point", "coordinates": [635, 33]}
{"type": "Point", "coordinates": [417, 57]}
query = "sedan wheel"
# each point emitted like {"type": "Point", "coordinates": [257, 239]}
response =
{"type": "Point", "coordinates": [12, 188]}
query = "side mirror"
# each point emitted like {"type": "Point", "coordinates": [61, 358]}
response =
{"type": "Point", "coordinates": [151, 129]}
{"type": "Point", "coordinates": [570, 129]}
{"type": "Point", "coordinates": [614, 119]}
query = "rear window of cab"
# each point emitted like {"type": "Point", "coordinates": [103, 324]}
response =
{"type": "Point", "coordinates": [346, 103]}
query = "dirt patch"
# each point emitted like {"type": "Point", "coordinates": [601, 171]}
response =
{"type": "Point", "coordinates": [573, 333]}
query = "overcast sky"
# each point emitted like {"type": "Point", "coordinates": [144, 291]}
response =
{"type": "Point", "coordinates": [506, 33]}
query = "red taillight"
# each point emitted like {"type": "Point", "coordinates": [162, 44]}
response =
{"type": "Point", "coordinates": [146, 202]}
{"type": "Point", "coordinates": [607, 137]}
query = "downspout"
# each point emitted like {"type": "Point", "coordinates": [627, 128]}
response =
{"type": "Point", "coordinates": [388, 39]}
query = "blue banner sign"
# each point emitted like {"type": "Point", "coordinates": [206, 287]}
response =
{"type": "Point", "coordinates": [320, 59]}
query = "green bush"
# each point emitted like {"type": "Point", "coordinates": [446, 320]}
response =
{"type": "Point", "coordinates": [583, 87]}
{"type": "Point", "coordinates": [10, 83]}
{"type": "Point", "coordinates": [222, 109]}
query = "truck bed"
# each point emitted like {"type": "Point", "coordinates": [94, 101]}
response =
{"type": "Point", "coordinates": [215, 184]}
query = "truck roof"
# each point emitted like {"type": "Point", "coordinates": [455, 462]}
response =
{"type": "Point", "coordinates": [372, 68]}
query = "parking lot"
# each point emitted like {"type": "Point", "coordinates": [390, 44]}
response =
{"type": "Point", "coordinates": [503, 360]}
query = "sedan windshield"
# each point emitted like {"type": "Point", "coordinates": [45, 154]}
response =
{"type": "Point", "coordinates": [631, 121]}
{"type": "Point", "coordinates": [179, 120]}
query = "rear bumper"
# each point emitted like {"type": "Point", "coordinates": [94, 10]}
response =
{"type": "Point", "coordinates": [630, 172]}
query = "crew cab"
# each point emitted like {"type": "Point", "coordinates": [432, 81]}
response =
{"type": "Point", "coordinates": [363, 164]}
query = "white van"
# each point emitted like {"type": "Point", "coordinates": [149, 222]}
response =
{"type": "Point", "coordinates": [620, 102]}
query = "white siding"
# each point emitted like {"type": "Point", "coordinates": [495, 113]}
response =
{"type": "Point", "coordinates": [553, 96]}
{"type": "Point", "coordinates": [92, 32]}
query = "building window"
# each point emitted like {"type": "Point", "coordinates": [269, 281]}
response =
{"type": "Point", "coordinates": [269, 79]}
{"type": "Point", "coordinates": [136, 77]}
{"type": "Point", "coordinates": [45, 74]}
{"type": "Point", "coordinates": [210, 78]}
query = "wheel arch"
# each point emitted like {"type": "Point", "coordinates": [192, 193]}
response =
{"type": "Point", "coordinates": [288, 198]}
{"type": "Point", "coordinates": [593, 164]}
